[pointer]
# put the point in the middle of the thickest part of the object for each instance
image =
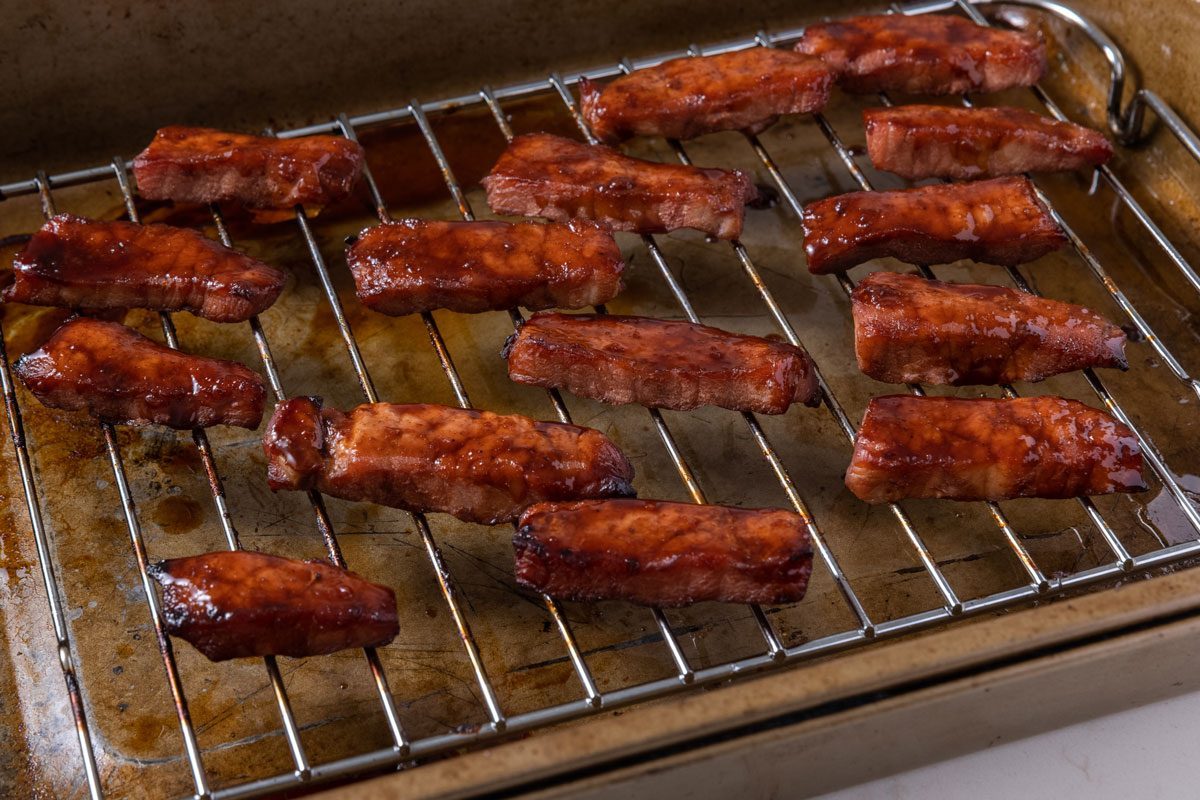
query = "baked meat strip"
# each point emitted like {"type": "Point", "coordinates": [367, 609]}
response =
{"type": "Point", "coordinates": [234, 604]}
{"type": "Point", "coordinates": [120, 376]}
{"type": "Point", "coordinates": [541, 175]}
{"type": "Point", "coordinates": [84, 263]}
{"type": "Point", "coordinates": [203, 165]}
{"type": "Point", "coordinates": [999, 221]}
{"type": "Point", "coordinates": [988, 449]}
{"type": "Point", "coordinates": [660, 364]}
{"type": "Point", "coordinates": [662, 554]}
{"type": "Point", "coordinates": [417, 265]}
{"type": "Point", "coordinates": [943, 142]}
{"type": "Point", "coordinates": [924, 54]}
{"type": "Point", "coordinates": [911, 330]}
{"type": "Point", "coordinates": [475, 465]}
{"type": "Point", "coordinates": [687, 97]}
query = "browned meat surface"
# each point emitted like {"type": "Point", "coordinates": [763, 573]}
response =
{"type": "Point", "coordinates": [1000, 221]}
{"type": "Point", "coordinates": [944, 142]}
{"type": "Point", "coordinates": [924, 54]}
{"type": "Point", "coordinates": [478, 466]}
{"type": "Point", "coordinates": [541, 175]}
{"type": "Point", "coordinates": [234, 604]}
{"type": "Point", "coordinates": [83, 263]}
{"type": "Point", "coordinates": [660, 364]}
{"type": "Point", "coordinates": [911, 330]}
{"type": "Point", "coordinates": [417, 265]}
{"type": "Point", "coordinates": [986, 449]}
{"type": "Point", "coordinates": [662, 554]}
{"type": "Point", "coordinates": [120, 376]}
{"type": "Point", "coordinates": [687, 97]}
{"type": "Point", "coordinates": [202, 165]}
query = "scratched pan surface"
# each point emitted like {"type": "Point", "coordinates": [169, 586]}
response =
{"type": "Point", "coordinates": [232, 706]}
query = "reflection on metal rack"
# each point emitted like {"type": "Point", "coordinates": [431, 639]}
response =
{"type": "Point", "coordinates": [1126, 122]}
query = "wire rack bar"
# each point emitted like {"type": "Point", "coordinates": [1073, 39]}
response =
{"type": "Point", "coordinates": [128, 508]}
{"type": "Point", "coordinates": [442, 572]}
{"type": "Point", "coordinates": [217, 489]}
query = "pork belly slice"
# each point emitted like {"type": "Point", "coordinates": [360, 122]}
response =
{"type": "Point", "coordinates": [911, 330]}
{"type": "Point", "coordinates": [203, 165]}
{"type": "Point", "coordinates": [120, 376]}
{"type": "Point", "coordinates": [924, 54]}
{"type": "Point", "coordinates": [998, 221]}
{"type": "Point", "coordinates": [660, 364]}
{"type": "Point", "coordinates": [662, 554]}
{"type": "Point", "coordinates": [74, 262]}
{"type": "Point", "coordinates": [420, 265]}
{"type": "Point", "coordinates": [942, 142]}
{"type": "Point", "coordinates": [478, 466]}
{"type": "Point", "coordinates": [541, 175]}
{"type": "Point", "coordinates": [687, 97]}
{"type": "Point", "coordinates": [234, 604]}
{"type": "Point", "coordinates": [987, 449]}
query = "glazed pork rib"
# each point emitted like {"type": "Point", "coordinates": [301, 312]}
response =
{"type": "Point", "coordinates": [924, 54]}
{"type": "Point", "coordinates": [541, 175]}
{"type": "Point", "coordinates": [988, 449]}
{"type": "Point", "coordinates": [234, 604]}
{"type": "Point", "coordinates": [417, 265]}
{"type": "Point", "coordinates": [943, 142]}
{"type": "Point", "coordinates": [662, 554]}
{"type": "Point", "coordinates": [202, 165]}
{"type": "Point", "coordinates": [999, 221]}
{"type": "Point", "coordinates": [688, 97]}
{"type": "Point", "coordinates": [660, 364]}
{"type": "Point", "coordinates": [120, 376]}
{"type": "Point", "coordinates": [478, 466]}
{"type": "Point", "coordinates": [911, 330]}
{"type": "Point", "coordinates": [74, 262]}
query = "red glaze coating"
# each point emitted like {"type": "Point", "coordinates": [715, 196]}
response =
{"type": "Point", "coordinates": [120, 376]}
{"type": "Point", "coordinates": [924, 54]}
{"type": "Point", "coordinates": [1000, 221]}
{"type": "Point", "coordinates": [234, 604]}
{"type": "Point", "coordinates": [478, 466]}
{"type": "Point", "coordinates": [945, 142]}
{"type": "Point", "coordinates": [662, 554]}
{"type": "Point", "coordinates": [687, 97]}
{"type": "Point", "coordinates": [986, 449]}
{"type": "Point", "coordinates": [417, 265]}
{"type": "Point", "coordinates": [74, 262]}
{"type": "Point", "coordinates": [203, 165]}
{"type": "Point", "coordinates": [660, 364]}
{"type": "Point", "coordinates": [911, 330]}
{"type": "Point", "coordinates": [541, 175]}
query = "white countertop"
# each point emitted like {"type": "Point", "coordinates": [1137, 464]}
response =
{"type": "Point", "coordinates": [1141, 754]}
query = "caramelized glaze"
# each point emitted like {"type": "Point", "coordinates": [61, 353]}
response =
{"type": "Point", "coordinates": [660, 364]}
{"type": "Point", "coordinates": [476, 465]}
{"type": "Point", "coordinates": [662, 554]}
{"type": "Point", "coordinates": [74, 262]}
{"type": "Point", "coordinates": [924, 54]}
{"type": "Point", "coordinates": [687, 97]}
{"type": "Point", "coordinates": [988, 449]}
{"type": "Point", "coordinates": [120, 376]}
{"type": "Point", "coordinates": [419, 265]}
{"type": "Point", "coordinates": [234, 604]}
{"type": "Point", "coordinates": [1000, 221]}
{"type": "Point", "coordinates": [911, 330]}
{"type": "Point", "coordinates": [203, 165]}
{"type": "Point", "coordinates": [943, 142]}
{"type": "Point", "coordinates": [541, 175]}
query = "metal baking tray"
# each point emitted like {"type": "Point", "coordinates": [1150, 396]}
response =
{"type": "Point", "coordinates": [478, 661]}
